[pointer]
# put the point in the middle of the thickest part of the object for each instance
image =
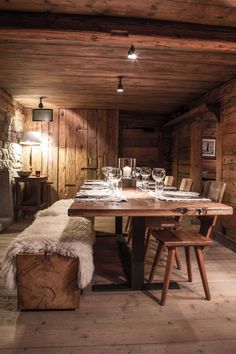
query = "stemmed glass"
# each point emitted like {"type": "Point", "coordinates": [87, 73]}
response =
{"type": "Point", "coordinates": [158, 175]}
{"type": "Point", "coordinates": [136, 173]}
{"type": "Point", "coordinates": [115, 175]}
{"type": "Point", "coordinates": [145, 173]}
{"type": "Point", "coordinates": [105, 171]}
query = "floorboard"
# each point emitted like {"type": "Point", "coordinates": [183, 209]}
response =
{"type": "Point", "coordinates": [129, 322]}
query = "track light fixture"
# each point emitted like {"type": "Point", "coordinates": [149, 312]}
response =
{"type": "Point", "coordinates": [132, 53]}
{"type": "Point", "coordinates": [120, 87]}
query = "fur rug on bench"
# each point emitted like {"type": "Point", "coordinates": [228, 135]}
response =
{"type": "Point", "coordinates": [53, 231]}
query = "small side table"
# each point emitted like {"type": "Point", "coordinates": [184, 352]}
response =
{"type": "Point", "coordinates": [30, 194]}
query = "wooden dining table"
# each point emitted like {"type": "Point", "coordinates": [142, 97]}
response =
{"type": "Point", "coordinates": [140, 204]}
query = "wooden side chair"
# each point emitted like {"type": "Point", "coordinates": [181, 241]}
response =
{"type": "Point", "coordinates": [173, 239]}
{"type": "Point", "coordinates": [169, 181]}
{"type": "Point", "coordinates": [166, 222]}
{"type": "Point", "coordinates": [186, 184]}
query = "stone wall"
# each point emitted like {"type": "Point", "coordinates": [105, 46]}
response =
{"type": "Point", "coordinates": [11, 127]}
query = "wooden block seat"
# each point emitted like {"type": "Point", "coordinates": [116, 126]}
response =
{"type": "Point", "coordinates": [47, 281]}
{"type": "Point", "coordinates": [52, 244]}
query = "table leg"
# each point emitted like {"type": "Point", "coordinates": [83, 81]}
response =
{"type": "Point", "coordinates": [137, 256]}
{"type": "Point", "coordinates": [118, 225]}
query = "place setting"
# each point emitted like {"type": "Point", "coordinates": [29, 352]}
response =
{"type": "Point", "coordinates": [109, 189]}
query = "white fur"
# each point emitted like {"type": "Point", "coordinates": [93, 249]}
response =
{"type": "Point", "coordinates": [55, 232]}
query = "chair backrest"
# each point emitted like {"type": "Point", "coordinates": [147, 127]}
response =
{"type": "Point", "coordinates": [169, 181]}
{"type": "Point", "coordinates": [214, 191]}
{"type": "Point", "coordinates": [186, 184]}
{"type": "Point", "coordinates": [206, 189]}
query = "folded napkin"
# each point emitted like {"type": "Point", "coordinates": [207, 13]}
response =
{"type": "Point", "coordinates": [103, 195]}
{"type": "Point", "coordinates": [93, 193]}
{"type": "Point", "coordinates": [178, 198]}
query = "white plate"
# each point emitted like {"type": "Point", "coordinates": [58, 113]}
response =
{"type": "Point", "coordinates": [180, 194]}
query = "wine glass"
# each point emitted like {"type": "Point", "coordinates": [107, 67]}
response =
{"type": "Point", "coordinates": [145, 173]}
{"type": "Point", "coordinates": [115, 175]}
{"type": "Point", "coordinates": [105, 171]}
{"type": "Point", "coordinates": [136, 172]}
{"type": "Point", "coordinates": [158, 175]}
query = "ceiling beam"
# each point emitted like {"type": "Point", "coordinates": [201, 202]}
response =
{"type": "Point", "coordinates": [93, 30]}
{"type": "Point", "coordinates": [205, 110]}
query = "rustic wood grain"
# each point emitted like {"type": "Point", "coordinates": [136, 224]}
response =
{"type": "Point", "coordinates": [205, 12]}
{"type": "Point", "coordinates": [47, 281]}
{"type": "Point", "coordinates": [201, 58]}
{"type": "Point", "coordinates": [141, 204]}
{"type": "Point", "coordinates": [129, 321]}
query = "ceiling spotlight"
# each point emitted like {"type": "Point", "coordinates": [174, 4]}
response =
{"type": "Point", "coordinates": [41, 102]}
{"type": "Point", "coordinates": [132, 53]}
{"type": "Point", "coordinates": [120, 87]}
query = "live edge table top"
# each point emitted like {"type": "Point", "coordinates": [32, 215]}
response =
{"type": "Point", "coordinates": [140, 203]}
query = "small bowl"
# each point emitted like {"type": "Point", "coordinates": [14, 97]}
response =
{"type": "Point", "coordinates": [24, 173]}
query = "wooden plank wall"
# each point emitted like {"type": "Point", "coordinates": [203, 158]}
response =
{"type": "Point", "coordinates": [209, 165]}
{"type": "Point", "coordinates": [225, 96]}
{"type": "Point", "coordinates": [228, 167]}
{"type": "Point", "coordinates": [75, 146]}
{"type": "Point", "coordinates": [224, 166]}
{"type": "Point", "coordinates": [180, 152]}
{"type": "Point", "coordinates": [142, 137]}
{"type": "Point", "coordinates": [186, 154]}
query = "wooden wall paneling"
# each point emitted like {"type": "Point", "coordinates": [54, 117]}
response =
{"type": "Point", "coordinates": [174, 155]}
{"type": "Point", "coordinates": [219, 147]}
{"type": "Point", "coordinates": [225, 96]}
{"type": "Point", "coordinates": [92, 163]}
{"type": "Point", "coordinates": [53, 131]}
{"type": "Point", "coordinates": [196, 155]}
{"type": "Point", "coordinates": [81, 158]}
{"type": "Point", "coordinates": [107, 139]}
{"type": "Point", "coordinates": [62, 154]}
{"type": "Point", "coordinates": [141, 137]}
{"type": "Point", "coordinates": [209, 130]}
{"type": "Point", "coordinates": [70, 153]}
{"type": "Point", "coordinates": [184, 143]}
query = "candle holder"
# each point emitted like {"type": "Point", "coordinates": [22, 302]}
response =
{"type": "Point", "coordinates": [127, 165]}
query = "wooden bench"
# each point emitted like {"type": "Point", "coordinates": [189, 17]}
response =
{"type": "Point", "coordinates": [47, 282]}
{"type": "Point", "coordinates": [51, 260]}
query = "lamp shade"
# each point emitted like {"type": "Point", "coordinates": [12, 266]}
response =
{"type": "Point", "coordinates": [31, 138]}
{"type": "Point", "coordinates": [42, 115]}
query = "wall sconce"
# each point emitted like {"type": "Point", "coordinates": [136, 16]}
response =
{"type": "Point", "coordinates": [42, 114]}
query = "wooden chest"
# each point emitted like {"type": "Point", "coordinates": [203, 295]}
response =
{"type": "Point", "coordinates": [47, 282]}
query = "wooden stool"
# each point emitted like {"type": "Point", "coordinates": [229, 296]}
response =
{"type": "Point", "coordinates": [172, 239]}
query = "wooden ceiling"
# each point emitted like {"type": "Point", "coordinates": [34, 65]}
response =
{"type": "Point", "coordinates": [213, 12]}
{"type": "Point", "coordinates": [74, 60]}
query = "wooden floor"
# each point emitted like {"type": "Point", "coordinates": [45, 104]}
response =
{"type": "Point", "coordinates": [129, 322]}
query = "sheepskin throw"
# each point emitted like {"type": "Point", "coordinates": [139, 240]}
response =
{"type": "Point", "coordinates": [53, 231]}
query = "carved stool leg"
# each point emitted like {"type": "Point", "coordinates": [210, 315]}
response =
{"type": "Point", "coordinates": [170, 258]}
{"type": "Point", "coordinates": [157, 256]}
{"type": "Point", "coordinates": [188, 262]}
{"type": "Point", "coordinates": [177, 259]}
{"type": "Point", "coordinates": [201, 266]}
